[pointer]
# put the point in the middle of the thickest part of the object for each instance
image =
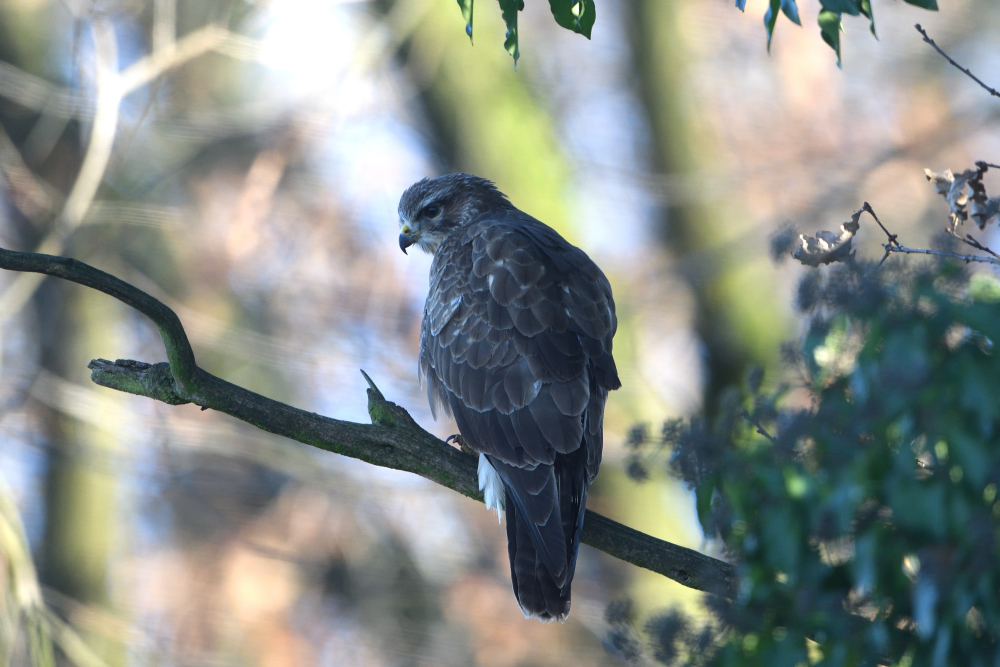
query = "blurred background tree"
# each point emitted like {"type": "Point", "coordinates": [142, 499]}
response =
{"type": "Point", "coordinates": [249, 179]}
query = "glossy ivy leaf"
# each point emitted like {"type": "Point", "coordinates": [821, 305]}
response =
{"type": "Point", "coordinates": [791, 10]}
{"type": "Point", "coordinates": [829, 29]}
{"type": "Point", "coordinates": [770, 18]}
{"type": "Point", "coordinates": [466, 7]}
{"type": "Point", "coordinates": [852, 7]}
{"type": "Point", "coordinates": [575, 15]}
{"type": "Point", "coordinates": [866, 11]}
{"type": "Point", "coordinates": [829, 18]}
{"type": "Point", "coordinates": [788, 8]}
{"type": "Point", "coordinates": [509, 9]}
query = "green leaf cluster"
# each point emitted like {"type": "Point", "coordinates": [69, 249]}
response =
{"type": "Point", "coordinates": [580, 15]}
{"type": "Point", "coordinates": [830, 16]}
{"type": "Point", "coordinates": [576, 15]}
{"type": "Point", "coordinates": [861, 502]}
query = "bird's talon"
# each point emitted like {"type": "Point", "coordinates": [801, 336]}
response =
{"type": "Point", "coordinates": [460, 441]}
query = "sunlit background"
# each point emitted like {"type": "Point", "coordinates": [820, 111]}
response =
{"type": "Point", "coordinates": [247, 174]}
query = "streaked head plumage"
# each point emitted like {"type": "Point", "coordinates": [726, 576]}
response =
{"type": "Point", "coordinates": [431, 208]}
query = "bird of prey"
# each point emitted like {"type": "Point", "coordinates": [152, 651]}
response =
{"type": "Point", "coordinates": [516, 344]}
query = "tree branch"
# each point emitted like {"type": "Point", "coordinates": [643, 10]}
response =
{"type": "Point", "coordinates": [964, 70]}
{"type": "Point", "coordinates": [392, 440]}
{"type": "Point", "coordinates": [894, 245]}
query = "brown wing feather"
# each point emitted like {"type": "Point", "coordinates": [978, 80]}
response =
{"type": "Point", "coordinates": [512, 299]}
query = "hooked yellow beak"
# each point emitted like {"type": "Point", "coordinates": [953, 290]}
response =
{"type": "Point", "coordinates": [406, 238]}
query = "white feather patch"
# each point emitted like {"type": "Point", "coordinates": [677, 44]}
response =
{"type": "Point", "coordinates": [491, 486]}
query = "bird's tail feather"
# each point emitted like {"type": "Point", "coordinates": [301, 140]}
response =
{"type": "Point", "coordinates": [534, 587]}
{"type": "Point", "coordinates": [538, 592]}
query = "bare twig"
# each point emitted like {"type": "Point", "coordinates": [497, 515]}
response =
{"type": "Point", "coordinates": [102, 134]}
{"type": "Point", "coordinates": [164, 23]}
{"type": "Point", "coordinates": [969, 240]}
{"type": "Point", "coordinates": [35, 198]}
{"type": "Point", "coordinates": [939, 253]}
{"type": "Point", "coordinates": [964, 70]}
{"type": "Point", "coordinates": [868, 208]}
{"type": "Point", "coordinates": [760, 428]}
{"type": "Point", "coordinates": [172, 55]}
{"type": "Point", "coordinates": [35, 93]}
{"type": "Point", "coordinates": [95, 161]}
{"type": "Point", "coordinates": [392, 440]}
{"type": "Point", "coordinates": [40, 95]}
{"type": "Point", "coordinates": [894, 245]}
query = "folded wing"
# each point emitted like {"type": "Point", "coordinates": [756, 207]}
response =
{"type": "Point", "coordinates": [516, 344]}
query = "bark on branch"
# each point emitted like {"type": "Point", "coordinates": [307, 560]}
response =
{"type": "Point", "coordinates": [392, 440]}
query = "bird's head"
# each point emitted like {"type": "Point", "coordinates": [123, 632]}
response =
{"type": "Point", "coordinates": [430, 209]}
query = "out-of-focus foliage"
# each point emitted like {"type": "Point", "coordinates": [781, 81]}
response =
{"type": "Point", "coordinates": [21, 605]}
{"type": "Point", "coordinates": [830, 16]}
{"type": "Point", "coordinates": [860, 502]}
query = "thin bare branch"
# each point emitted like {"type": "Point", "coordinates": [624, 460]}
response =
{"type": "Point", "coordinates": [164, 23]}
{"type": "Point", "coordinates": [756, 424]}
{"type": "Point", "coordinates": [964, 70]}
{"type": "Point", "coordinates": [894, 245]}
{"type": "Point", "coordinates": [868, 208]}
{"type": "Point", "coordinates": [95, 161]}
{"type": "Point", "coordinates": [102, 134]}
{"type": "Point", "coordinates": [968, 239]}
{"type": "Point", "coordinates": [172, 55]}
{"type": "Point", "coordinates": [35, 93]}
{"type": "Point", "coordinates": [940, 253]}
{"type": "Point", "coordinates": [35, 198]}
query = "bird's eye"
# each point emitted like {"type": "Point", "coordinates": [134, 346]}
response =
{"type": "Point", "coordinates": [432, 211]}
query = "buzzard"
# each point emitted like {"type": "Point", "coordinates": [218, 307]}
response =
{"type": "Point", "coordinates": [516, 344]}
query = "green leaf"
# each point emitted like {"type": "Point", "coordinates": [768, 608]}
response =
{"type": "Point", "coordinates": [575, 15]}
{"type": "Point", "coordinates": [788, 8]}
{"type": "Point", "coordinates": [770, 18]}
{"type": "Point", "coordinates": [791, 10]}
{"type": "Point", "coordinates": [703, 505]}
{"type": "Point", "coordinates": [926, 4]}
{"type": "Point", "coordinates": [852, 7]}
{"type": "Point", "coordinates": [509, 9]}
{"type": "Point", "coordinates": [466, 7]}
{"type": "Point", "coordinates": [829, 29]}
{"type": "Point", "coordinates": [866, 10]}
